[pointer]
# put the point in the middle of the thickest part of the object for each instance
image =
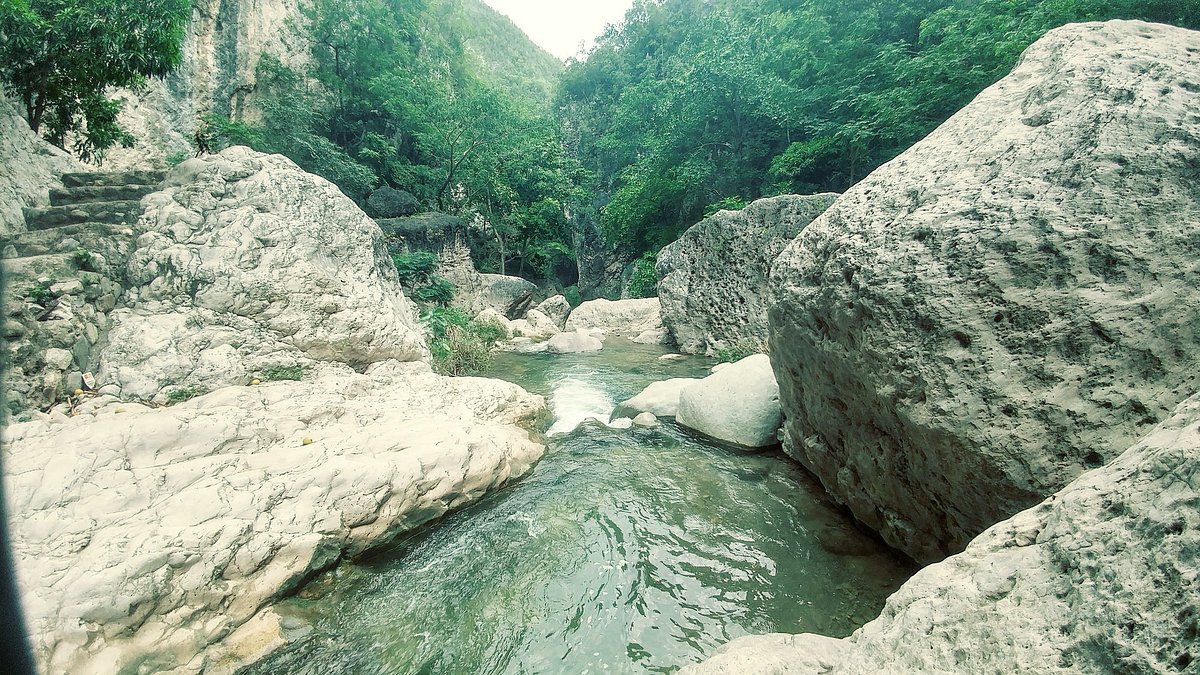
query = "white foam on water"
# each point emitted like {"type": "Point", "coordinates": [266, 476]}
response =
{"type": "Point", "coordinates": [574, 402]}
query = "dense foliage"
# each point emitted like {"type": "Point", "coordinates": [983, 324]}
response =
{"type": "Point", "coordinates": [60, 56]}
{"type": "Point", "coordinates": [694, 102]}
{"type": "Point", "coordinates": [397, 97]}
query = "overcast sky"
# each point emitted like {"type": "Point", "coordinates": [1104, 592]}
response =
{"type": "Point", "coordinates": [558, 26]}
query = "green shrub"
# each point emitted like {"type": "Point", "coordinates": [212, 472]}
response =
{"type": "Point", "coordinates": [176, 158]}
{"type": "Point", "coordinates": [39, 293]}
{"type": "Point", "coordinates": [459, 345]}
{"type": "Point", "coordinates": [281, 373]}
{"type": "Point", "coordinates": [726, 204]}
{"type": "Point", "coordinates": [644, 281]}
{"type": "Point", "coordinates": [573, 296]}
{"type": "Point", "coordinates": [184, 394]}
{"type": "Point", "coordinates": [84, 259]}
{"type": "Point", "coordinates": [415, 267]}
{"type": "Point", "coordinates": [388, 202]}
{"type": "Point", "coordinates": [438, 291]}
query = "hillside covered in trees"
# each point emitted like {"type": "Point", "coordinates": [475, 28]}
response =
{"type": "Point", "coordinates": [686, 107]}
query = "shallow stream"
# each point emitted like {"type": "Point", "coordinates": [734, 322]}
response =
{"type": "Point", "coordinates": [623, 551]}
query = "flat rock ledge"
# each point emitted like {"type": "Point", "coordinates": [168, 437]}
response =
{"type": "Point", "coordinates": [1099, 578]}
{"type": "Point", "coordinates": [156, 539]}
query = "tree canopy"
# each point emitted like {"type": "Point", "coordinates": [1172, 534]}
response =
{"type": "Point", "coordinates": [60, 56]}
{"type": "Point", "coordinates": [690, 102]}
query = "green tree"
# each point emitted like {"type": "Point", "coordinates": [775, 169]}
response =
{"type": "Point", "coordinates": [59, 57]}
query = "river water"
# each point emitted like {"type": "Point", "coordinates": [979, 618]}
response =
{"type": "Point", "coordinates": [623, 551]}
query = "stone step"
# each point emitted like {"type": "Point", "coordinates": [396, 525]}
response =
{"type": "Point", "coordinates": [63, 239]}
{"type": "Point", "coordinates": [99, 193]}
{"type": "Point", "coordinates": [113, 178]}
{"type": "Point", "coordinates": [20, 273]}
{"type": "Point", "coordinates": [112, 213]}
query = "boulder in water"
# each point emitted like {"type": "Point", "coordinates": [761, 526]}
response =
{"type": "Point", "coordinates": [739, 404]}
{"type": "Point", "coordinates": [574, 342]}
{"type": "Point", "coordinates": [660, 399]}
{"type": "Point", "coordinates": [625, 318]}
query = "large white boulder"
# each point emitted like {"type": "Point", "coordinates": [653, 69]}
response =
{"type": "Point", "coordinates": [247, 262]}
{"type": "Point", "coordinates": [660, 398]}
{"type": "Point", "coordinates": [713, 279]}
{"type": "Point", "coordinates": [1008, 303]}
{"type": "Point", "coordinates": [159, 535]}
{"type": "Point", "coordinates": [574, 342]}
{"type": "Point", "coordinates": [738, 404]}
{"type": "Point", "coordinates": [1099, 578]}
{"type": "Point", "coordinates": [625, 318]}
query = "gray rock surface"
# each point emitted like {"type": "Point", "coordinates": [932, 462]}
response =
{"type": "Point", "coordinates": [713, 279]}
{"type": "Point", "coordinates": [158, 537]}
{"type": "Point", "coordinates": [557, 308]}
{"type": "Point", "coordinates": [245, 263]}
{"type": "Point", "coordinates": [1099, 578]}
{"type": "Point", "coordinates": [739, 404]}
{"type": "Point", "coordinates": [626, 318]}
{"type": "Point", "coordinates": [660, 398]}
{"type": "Point", "coordinates": [574, 342]}
{"type": "Point", "coordinates": [511, 296]}
{"type": "Point", "coordinates": [224, 42]}
{"type": "Point", "coordinates": [29, 167]}
{"type": "Point", "coordinates": [1008, 303]}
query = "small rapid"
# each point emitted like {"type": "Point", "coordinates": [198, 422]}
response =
{"type": "Point", "coordinates": [623, 551]}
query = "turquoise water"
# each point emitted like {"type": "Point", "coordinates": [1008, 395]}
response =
{"type": "Point", "coordinates": [624, 551]}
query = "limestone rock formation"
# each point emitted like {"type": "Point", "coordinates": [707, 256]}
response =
{"type": "Point", "coordinates": [224, 43]}
{"type": "Point", "coordinates": [509, 295]}
{"type": "Point", "coordinates": [63, 276]}
{"type": "Point", "coordinates": [713, 279]}
{"type": "Point", "coordinates": [152, 539]}
{"type": "Point", "coordinates": [660, 398]}
{"type": "Point", "coordinates": [626, 318]}
{"type": "Point", "coordinates": [1099, 578]}
{"type": "Point", "coordinates": [739, 404]}
{"type": "Point", "coordinates": [557, 308]}
{"type": "Point", "coordinates": [248, 263]}
{"type": "Point", "coordinates": [1008, 303]}
{"type": "Point", "coordinates": [28, 167]}
{"type": "Point", "coordinates": [574, 342]}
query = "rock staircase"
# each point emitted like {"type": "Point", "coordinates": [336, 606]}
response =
{"type": "Point", "coordinates": [62, 277]}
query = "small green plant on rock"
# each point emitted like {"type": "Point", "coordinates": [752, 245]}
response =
{"type": "Point", "coordinates": [740, 349]}
{"type": "Point", "coordinates": [438, 291]}
{"type": "Point", "coordinates": [185, 394]}
{"type": "Point", "coordinates": [39, 293]}
{"type": "Point", "coordinates": [282, 373]}
{"type": "Point", "coordinates": [84, 259]}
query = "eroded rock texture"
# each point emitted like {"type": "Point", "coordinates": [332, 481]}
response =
{"type": "Point", "coordinates": [626, 318]}
{"type": "Point", "coordinates": [713, 279]}
{"type": "Point", "coordinates": [247, 263]}
{"type": "Point", "coordinates": [1099, 578]}
{"type": "Point", "coordinates": [28, 167]}
{"type": "Point", "coordinates": [152, 539]}
{"type": "Point", "coordinates": [1010, 302]}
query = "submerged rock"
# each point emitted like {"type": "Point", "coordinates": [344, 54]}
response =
{"type": "Point", "coordinates": [625, 318]}
{"type": "Point", "coordinates": [1008, 303]}
{"type": "Point", "coordinates": [713, 279]}
{"type": "Point", "coordinates": [156, 536]}
{"type": "Point", "coordinates": [1099, 578]}
{"type": "Point", "coordinates": [739, 404]}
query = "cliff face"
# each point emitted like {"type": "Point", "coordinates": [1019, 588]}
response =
{"type": "Point", "coordinates": [1010, 302]}
{"type": "Point", "coordinates": [29, 167]}
{"type": "Point", "coordinates": [225, 42]}
{"type": "Point", "coordinates": [713, 280]}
